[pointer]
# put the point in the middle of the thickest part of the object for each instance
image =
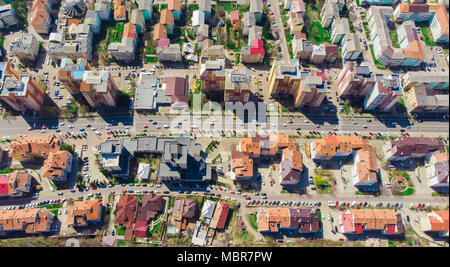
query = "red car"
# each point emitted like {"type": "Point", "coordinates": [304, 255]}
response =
{"type": "Point", "coordinates": [220, 188]}
{"type": "Point", "coordinates": [124, 191]}
{"type": "Point", "coordinates": [146, 127]}
{"type": "Point", "coordinates": [337, 203]}
{"type": "Point", "coordinates": [248, 198]}
{"type": "Point", "coordinates": [371, 133]}
{"type": "Point", "coordinates": [348, 204]}
{"type": "Point", "coordinates": [407, 134]}
{"type": "Point", "coordinates": [108, 133]}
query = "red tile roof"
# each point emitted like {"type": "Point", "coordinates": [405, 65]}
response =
{"type": "Point", "coordinates": [257, 47]}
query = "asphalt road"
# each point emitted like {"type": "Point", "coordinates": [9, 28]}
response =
{"type": "Point", "coordinates": [18, 126]}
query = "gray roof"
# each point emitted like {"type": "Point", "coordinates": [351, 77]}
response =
{"type": "Point", "coordinates": [145, 4]}
{"type": "Point", "coordinates": [205, 5]}
{"type": "Point", "coordinates": [145, 92]}
{"type": "Point", "coordinates": [256, 6]}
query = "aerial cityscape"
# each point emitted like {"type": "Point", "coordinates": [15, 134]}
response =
{"type": "Point", "coordinates": [235, 123]}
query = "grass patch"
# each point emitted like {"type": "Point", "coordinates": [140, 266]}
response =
{"type": "Point", "coordinates": [427, 36]}
{"type": "Point", "coordinates": [228, 7]}
{"type": "Point", "coordinates": [399, 188]}
{"type": "Point", "coordinates": [120, 229]}
{"type": "Point", "coordinates": [253, 221]}
{"type": "Point", "coordinates": [394, 38]}
{"type": "Point", "coordinates": [323, 180]}
{"type": "Point", "coordinates": [314, 31]}
{"type": "Point", "coordinates": [378, 64]}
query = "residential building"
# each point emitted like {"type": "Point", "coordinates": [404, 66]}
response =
{"type": "Point", "coordinates": [27, 148]}
{"type": "Point", "coordinates": [27, 48]}
{"type": "Point", "coordinates": [84, 213]}
{"type": "Point", "coordinates": [253, 54]}
{"type": "Point", "coordinates": [302, 49]}
{"type": "Point", "coordinates": [413, 147]}
{"type": "Point", "coordinates": [312, 90]}
{"type": "Point", "coordinates": [439, 25]}
{"type": "Point", "coordinates": [151, 205]}
{"type": "Point", "coordinates": [213, 75]}
{"type": "Point", "coordinates": [185, 213]}
{"type": "Point", "coordinates": [120, 12]}
{"type": "Point", "coordinates": [318, 55]}
{"type": "Point", "coordinates": [220, 216]}
{"type": "Point", "coordinates": [75, 8]}
{"type": "Point", "coordinates": [351, 48]}
{"type": "Point", "coordinates": [99, 89]}
{"type": "Point", "coordinates": [175, 8]}
{"type": "Point", "coordinates": [331, 52]}
{"type": "Point", "coordinates": [40, 17]}
{"type": "Point", "coordinates": [126, 210]}
{"type": "Point", "coordinates": [365, 172]}
{"type": "Point", "coordinates": [79, 45]}
{"type": "Point", "coordinates": [384, 94]}
{"type": "Point", "coordinates": [238, 86]}
{"type": "Point", "coordinates": [137, 18]}
{"type": "Point", "coordinates": [256, 7]}
{"type": "Point", "coordinates": [16, 184]}
{"type": "Point", "coordinates": [159, 32]}
{"type": "Point", "coordinates": [181, 157]}
{"type": "Point", "coordinates": [207, 211]}
{"type": "Point", "coordinates": [177, 90]}
{"type": "Point", "coordinates": [359, 221]}
{"type": "Point", "coordinates": [167, 19]}
{"type": "Point", "coordinates": [20, 92]}
{"type": "Point", "coordinates": [284, 220]}
{"type": "Point", "coordinates": [339, 28]}
{"type": "Point", "coordinates": [234, 17]}
{"type": "Point", "coordinates": [295, 22]}
{"type": "Point", "coordinates": [149, 94]}
{"type": "Point", "coordinates": [421, 100]}
{"type": "Point", "coordinates": [126, 49]}
{"type": "Point", "coordinates": [146, 6]}
{"type": "Point", "coordinates": [205, 6]}
{"type": "Point", "coordinates": [57, 166]}
{"type": "Point", "coordinates": [415, 12]}
{"type": "Point", "coordinates": [436, 223]}
{"type": "Point", "coordinates": [354, 81]}
{"type": "Point", "coordinates": [198, 18]}
{"type": "Point", "coordinates": [437, 170]}
{"type": "Point", "coordinates": [169, 53]}
{"type": "Point", "coordinates": [211, 52]}
{"type": "Point", "coordinates": [284, 79]}
{"type": "Point", "coordinates": [291, 167]}
{"type": "Point", "coordinates": [241, 166]}
{"type": "Point", "coordinates": [341, 4]}
{"type": "Point", "coordinates": [27, 221]}
{"type": "Point", "coordinates": [409, 42]}
{"type": "Point", "coordinates": [430, 80]}
{"type": "Point", "coordinates": [249, 21]}
{"type": "Point", "coordinates": [71, 73]}
{"type": "Point", "coordinates": [337, 147]}
{"type": "Point", "coordinates": [93, 20]}
{"type": "Point", "coordinates": [8, 17]}
{"type": "Point", "coordinates": [103, 8]}
{"type": "Point", "coordinates": [202, 33]}
{"type": "Point", "coordinates": [329, 12]}
{"type": "Point", "coordinates": [298, 6]}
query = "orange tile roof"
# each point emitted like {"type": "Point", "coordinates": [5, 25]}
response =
{"type": "Point", "coordinates": [278, 217]}
{"type": "Point", "coordinates": [166, 17]}
{"type": "Point", "coordinates": [39, 4]}
{"type": "Point", "coordinates": [439, 220]}
{"type": "Point", "coordinates": [159, 32]}
{"type": "Point", "coordinates": [72, 21]}
{"type": "Point", "coordinates": [42, 145]}
{"type": "Point", "coordinates": [329, 145]}
{"type": "Point", "coordinates": [404, 7]}
{"type": "Point", "coordinates": [129, 30]}
{"type": "Point", "coordinates": [374, 219]}
{"type": "Point", "coordinates": [241, 164]}
{"type": "Point", "coordinates": [38, 17]}
{"type": "Point", "coordinates": [174, 5]}
{"type": "Point", "coordinates": [367, 167]}
{"type": "Point", "coordinates": [55, 165]}
{"type": "Point", "coordinates": [29, 220]}
{"type": "Point", "coordinates": [247, 145]}
{"type": "Point", "coordinates": [442, 17]}
{"type": "Point", "coordinates": [414, 50]}
{"type": "Point", "coordinates": [18, 181]}
{"type": "Point", "coordinates": [119, 10]}
{"type": "Point", "coordinates": [296, 158]}
{"type": "Point", "coordinates": [83, 212]}
{"type": "Point", "coordinates": [441, 156]}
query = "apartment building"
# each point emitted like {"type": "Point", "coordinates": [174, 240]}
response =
{"type": "Point", "coordinates": [146, 7]}
{"type": "Point", "coordinates": [351, 47]}
{"type": "Point", "coordinates": [27, 49]}
{"type": "Point", "coordinates": [211, 52]}
{"type": "Point", "coordinates": [40, 16]}
{"type": "Point", "coordinates": [439, 25]}
{"type": "Point", "coordinates": [414, 147]}
{"type": "Point", "coordinates": [238, 86]}
{"type": "Point", "coordinates": [295, 22]}
{"type": "Point", "coordinates": [253, 54]}
{"type": "Point", "coordinates": [359, 221]}
{"type": "Point", "coordinates": [378, 2]}
{"type": "Point", "coordinates": [28, 148]}
{"type": "Point", "coordinates": [291, 167]}
{"type": "Point", "coordinates": [99, 89]}
{"type": "Point", "coordinates": [409, 42]}
{"type": "Point", "coordinates": [93, 20]}
{"type": "Point", "coordinates": [212, 76]}
{"type": "Point", "coordinates": [174, 7]}
{"type": "Point", "coordinates": [365, 172]}
{"type": "Point", "coordinates": [71, 73]}
{"type": "Point", "coordinates": [302, 49]}
{"type": "Point", "coordinates": [126, 49]}
{"type": "Point", "coordinates": [25, 221]}
{"type": "Point", "coordinates": [205, 6]}
{"type": "Point", "coordinates": [120, 12]}
{"type": "Point", "coordinates": [430, 80]}
{"type": "Point", "coordinates": [167, 19]}
{"type": "Point", "coordinates": [284, 220]}
{"type": "Point", "coordinates": [16, 184]}
{"type": "Point", "coordinates": [285, 78]}
{"type": "Point", "coordinates": [437, 171]}
{"type": "Point", "coordinates": [337, 147]}
{"type": "Point", "coordinates": [329, 12]}
{"type": "Point", "coordinates": [339, 29]}
{"type": "Point", "coordinates": [169, 52]}
{"type": "Point", "coordinates": [436, 223]}
{"type": "Point", "coordinates": [384, 94]}
{"type": "Point", "coordinates": [20, 92]}
{"type": "Point", "coordinates": [185, 213]}
{"type": "Point", "coordinates": [421, 100]}
{"type": "Point", "coordinates": [8, 17]}
{"type": "Point", "coordinates": [354, 81]}
{"type": "Point", "coordinates": [79, 44]}
{"type": "Point", "coordinates": [103, 8]}
{"type": "Point", "coordinates": [159, 32]}
{"type": "Point", "coordinates": [242, 167]}
{"type": "Point", "coordinates": [312, 90]}
{"type": "Point", "coordinates": [83, 213]}
{"type": "Point", "coordinates": [57, 166]}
